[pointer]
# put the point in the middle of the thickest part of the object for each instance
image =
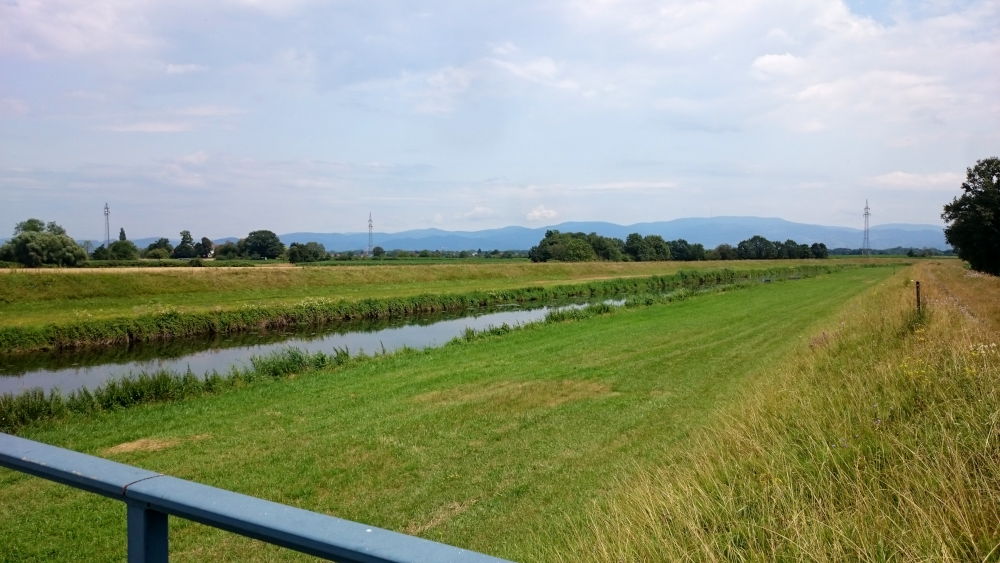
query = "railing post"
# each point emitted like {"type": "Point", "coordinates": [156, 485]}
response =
{"type": "Point", "coordinates": [147, 534]}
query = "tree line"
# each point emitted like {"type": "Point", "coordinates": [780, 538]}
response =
{"type": "Point", "coordinates": [581, 247]}
{"type": "Point", "coordinates": [37, 243]}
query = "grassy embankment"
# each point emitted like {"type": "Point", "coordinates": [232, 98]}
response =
{"type": "Point", "coordinates": [37, 297]}
{"type": "Point", "coordinates": [509, 444]}
{"type": "Point", "coordinates": [881, 442]}
{"type": "Point", "coordinates": [76, 327]}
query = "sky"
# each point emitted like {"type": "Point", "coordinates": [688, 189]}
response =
{"type": "Point", "coordinates": [229, 116]}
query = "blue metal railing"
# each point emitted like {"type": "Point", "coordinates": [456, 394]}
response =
{"type": "Point", "coordinates": [150, 497]}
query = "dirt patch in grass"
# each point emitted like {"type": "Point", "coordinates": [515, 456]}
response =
{"type": "Point", "coordinates": [518, 395]}
{"type": "Point", "coordinates": [440, 516]}
{"type": "Point", "coordinates": [151, 444]}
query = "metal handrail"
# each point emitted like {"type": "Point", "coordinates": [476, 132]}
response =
{"type": "Point", "coordinates": [150, 497]}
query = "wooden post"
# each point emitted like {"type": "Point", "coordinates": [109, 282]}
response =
{"type": "Point", "coordinates": [918, 297]}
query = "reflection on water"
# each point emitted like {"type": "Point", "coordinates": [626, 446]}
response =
{"type": "Point", "coordinates": [69, 371]}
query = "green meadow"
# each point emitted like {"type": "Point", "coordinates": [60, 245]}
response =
{"type": "Point", "coordinates": [812, 419]}
{"type": "Point", "coordinates": [505, 444]}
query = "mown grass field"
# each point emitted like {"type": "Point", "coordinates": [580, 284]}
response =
{"type": "Point", "coordinates": [516, 444]}
{"type": "Point", "coordinates": [38, 297]}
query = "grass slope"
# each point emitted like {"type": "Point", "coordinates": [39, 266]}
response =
{"type": "Point", "coordinates": [37, 297]}
{"type": "Point", "coordinates": [879, 444]}
{"type": "Point", "coordinates": [504, 444]}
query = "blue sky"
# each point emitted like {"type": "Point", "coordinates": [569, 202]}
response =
{"type": "Point", "coordinates": [225, 117]}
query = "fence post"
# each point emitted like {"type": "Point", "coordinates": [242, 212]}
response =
{"type": "Point", "coordinates": [918, 297]}
{"type": "Point", "coordinates": [147, 534]}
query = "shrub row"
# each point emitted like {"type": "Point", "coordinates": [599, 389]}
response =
{"type": "Point", "coordinates": [314, 312]}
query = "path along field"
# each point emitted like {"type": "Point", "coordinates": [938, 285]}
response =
{"type": "Point", "coordinates": [37, 297]}
{"type": "Point", "coordinates": [657, 432]}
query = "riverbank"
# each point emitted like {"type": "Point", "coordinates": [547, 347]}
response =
{"type": "Point", "coordinates": [172, 323]}
{"type": "Point", "coordinates": [41, 296]}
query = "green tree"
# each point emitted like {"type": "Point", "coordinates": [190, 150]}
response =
{"type": "Point", "coordinates": [637, 247]}
{"type": "Point", "coordinates": [725, 252]}
{"type": "Point", "coordinates": [606, 248]}
{"type": "Point", "coordinates": [29, 226]}
{"type": "Point", "coordinates": [160, 244]}
{"type": "Point", "coordinates": [156, 254]}
{"type": "Point", "coordinates": [123, 250]}
{"type": "Point", "coordinates": [659, 249]}
{"type": "Point", "coordinates": [680, 249]}
{"type": "Point", "coordinates": [227, 251]}
{"type": "Point", "coordinates": [185, 249]}
{"type": "Point", "coordinates": [756, 248]}
{"type": "Point", "coordinates": [564, 247]}
{"type": "Point", "coordinates": [121, 234]}
{"type": "Point", "coordinates": [101, 253]}
{"type": "Point", "coordinates": [974, 217]}
{"type": "Point", "coordinates": [308, 252]}
{"type": "Point", "coordinates": [819, 250]}
{"type": "Point", "coordinates": [37, 244]}
{"type": "Point", "coordinates": [378, 252]}
{"type": "Point", "coordinates": [204, 248]}
{"type": "Point", "coordinates": [34, 248]}
{"type": "Point", "coordinates": [262, 244]}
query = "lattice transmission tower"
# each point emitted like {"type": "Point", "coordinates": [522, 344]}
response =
{"type": "Point", "coordinates": [107, 225]}
{"type": "Point", "coordinates": [866, 247]}
{"type": "Point", "coordinates": [371, 234]}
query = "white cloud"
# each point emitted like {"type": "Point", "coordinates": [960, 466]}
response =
{"type": "Point", "coordinates": [208, 111]}
{"type": "Point", "coordinates": [441, 90]}
{"type": "Point", "coordinates": [87, 95]}
{"type": "Point", "coordinates": [629, 186]}
{"type": "Point", "coordinates": [770, 66]}
{"type": "Point", "coordinates": [13, 107]}
{"type": "Point", "coordinates": [479, 212]}
{"type": "Point", "coordinates": [41, 28]}
{"type": "Point", "coordinates": [200, 157]}
{"type": "Point", "coordinates": [541, 213]}
{"type": "Point", "coordinates": [504, 49]}
{"type": "Point", "coordinates": [898, 180]}
{"type": "Point", "coordinates": [274, 7]}
{"type": "Point", "coordinates": [539, 70]}
{"type": "Point", "coordinates": [171, 68]}
{"type": "Point", "coordinates": [152, 127]}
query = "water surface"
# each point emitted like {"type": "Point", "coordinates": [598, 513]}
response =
{"type": "Point", "coordinates": [69, 371]}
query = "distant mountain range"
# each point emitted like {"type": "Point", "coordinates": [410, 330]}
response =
{"type": "Point", "coordinates": [708, 231]}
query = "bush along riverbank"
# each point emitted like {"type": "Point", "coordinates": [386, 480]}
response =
{"type": "Point", "coordinates": [316, 312]}
{"type": "Point", "coordinates": [18, 411]}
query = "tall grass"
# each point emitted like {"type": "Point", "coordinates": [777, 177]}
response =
{"type": "Point", "coordinates": [16, 411]}
{"type": "Point", "coordinates": [317, 311]}
{"type": "Point", "coordinates": [882, 442]}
